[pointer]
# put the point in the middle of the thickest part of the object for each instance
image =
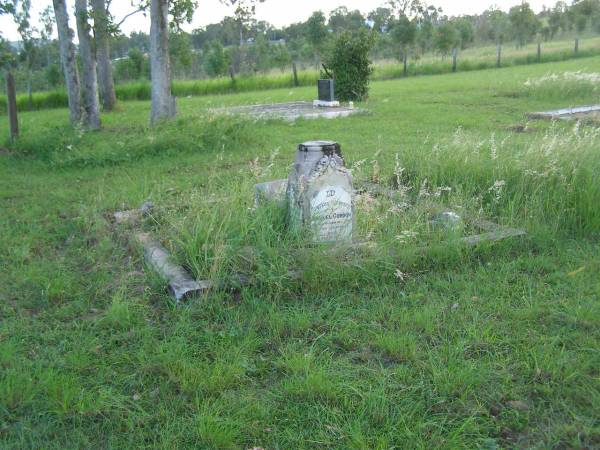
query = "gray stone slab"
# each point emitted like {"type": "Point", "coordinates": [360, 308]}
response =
{"type": "Point", "coordinates": [493, 236]}
{"type": "Point", "coordinates": [289, 111]}
{"type": "Point", "coordinates": [567, 113]}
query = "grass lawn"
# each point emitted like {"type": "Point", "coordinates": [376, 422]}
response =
{"type": "Point", "coordinates": [420, 344]}
{"type": "Point", "coordinates": [473, 58]}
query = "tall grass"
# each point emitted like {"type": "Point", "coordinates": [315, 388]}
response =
{"type": "Point", "coordinates": [183, 88]}
{"type": "Point", "coordinates": [552, 179]}
{"type": "Point", "coordinates": [64, 147]}
{"type": "Point", "coordinates": [549, 184]}
{"type": "Point", "coordinates": [584, 86]}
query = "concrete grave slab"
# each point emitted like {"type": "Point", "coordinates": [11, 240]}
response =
{"type": "Point", "coordinates": [579, 112]}
{"type": "Point", "coordinates": [290, 111]}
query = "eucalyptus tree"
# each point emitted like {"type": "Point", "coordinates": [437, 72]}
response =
{"type": "Point", "coordinates": [244, 11]}
{"type": "Point", "coordinates": [91, 116]}
{"type": "Point", "coordinates": [47, 21]}
{"type": "Point", "coordinates": [446, 37]}
{"type": "Point", "coordinates": [524, 22]}
{"type": "Point", "coordinates": [68, 59]}
{"type": "Point", "coordinates": [6, 61]}
{"type": "Point", "coordinates": [22, 18]}
{"type": "Point", "coordinates": [105, 73]}
{"type": "Point", "coordinates": [163, 102]}
{"type": "Point", "coordinates": [317, 33]}
{"type": "Point", "coordinates": [404, 34]}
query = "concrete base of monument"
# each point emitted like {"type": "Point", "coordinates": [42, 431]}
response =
{"type": "Point", "coordinates": [326, 104]}
{"type": "Point", "coordinates": [290, 112]}
{"type": "Point", "coordinates": [591, 112]}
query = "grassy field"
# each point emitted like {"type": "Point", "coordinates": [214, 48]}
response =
{"type": "Point", "coordinates": [421, 344]}
{"type": "Point", "coordinates": [474, 58]}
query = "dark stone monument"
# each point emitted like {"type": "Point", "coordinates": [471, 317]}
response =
{"type": "Point", "coordinates": [326, 90]}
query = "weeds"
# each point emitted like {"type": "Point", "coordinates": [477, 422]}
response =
{"type": "Point", "coordinates": [66, 147]}
{"type": "Point", "coordinates": [392, 347]}
{"type": "Point", "coordinates": [572, 85]}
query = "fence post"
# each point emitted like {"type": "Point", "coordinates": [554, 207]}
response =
{"type": "Point", "coordinates": [499, 55]}
{"type": "Point", "coordinates": [11, 98]}
{"type": "Point", "coordinates": [295, 73]}
{"type": "Point", "coordinates": [576, 45]}
{"type": "Point", "coordinates": [539, 52]}
{"type": "Point", "coordinates": [454, 56]}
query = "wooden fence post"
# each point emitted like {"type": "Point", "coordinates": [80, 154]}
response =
{"type": "Point", "coordinates": [295, 73]}
{"type": "Point", "coordinates": [11, 98]}
{"type": "Point", "coordinates": [454, 56]}
{"type": "Point", "coordinates": [499, 55]}
{"type": "Point", "coordinates": [576, 45]}
{"type": "Point", "coordinates": [539, 52]}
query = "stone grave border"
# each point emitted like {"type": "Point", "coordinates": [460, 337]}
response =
{"type": "Point", "coordinates": [182, 286]}
{"type": "Point", "coordinates": [565, 113]}
{"type": "Point", "coordinates": [295, 111]}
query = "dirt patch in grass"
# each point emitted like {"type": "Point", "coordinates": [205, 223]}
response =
{"type": "Point", "coordinates": [520, 129]}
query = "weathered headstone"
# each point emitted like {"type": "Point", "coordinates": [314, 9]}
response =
{"type": "Point", "coordinates": [320, 193]}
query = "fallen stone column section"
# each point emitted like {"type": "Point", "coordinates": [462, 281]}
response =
{"type": "Point", "coordinates": [181, 284]}
{"type": "Point", "coordinates": [493, 236]}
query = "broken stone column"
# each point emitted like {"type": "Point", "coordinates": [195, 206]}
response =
{"type": "Point", "coordinates": [320, 193]}
{"type": "Point", "coordinates": [270, 192]}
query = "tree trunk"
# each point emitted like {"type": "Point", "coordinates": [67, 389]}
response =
{"type": "Point", "coordinates": [105, 77]}
{"type": "Point", "coordinates": [88, 64]}
{"type": "Point", "coordinates": [163, 103]}
{"type": "Point", "coordinates": [11, 98]}
{"type": "Point", "coordinates": [405, 62]}
{"type": "Point", "coordinates": [67, 57]}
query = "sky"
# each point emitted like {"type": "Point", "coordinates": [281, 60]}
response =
{"type": "Point", "coordinates": [276, 12]}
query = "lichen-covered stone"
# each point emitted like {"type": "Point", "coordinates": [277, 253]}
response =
{"type": "Point", "coordinates": [320, 193]}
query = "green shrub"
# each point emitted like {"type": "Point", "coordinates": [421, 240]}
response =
{"type": "Point", "coordinates": [350, 65]}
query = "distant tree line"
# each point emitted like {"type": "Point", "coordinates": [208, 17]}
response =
{"type": "Point", "coordinates": [241, 44]}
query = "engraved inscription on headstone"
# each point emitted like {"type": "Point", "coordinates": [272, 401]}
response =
{"type": "Point", "coordinates": [331, 214]}
{"type": "Point", "coordinates": [326, 90]}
